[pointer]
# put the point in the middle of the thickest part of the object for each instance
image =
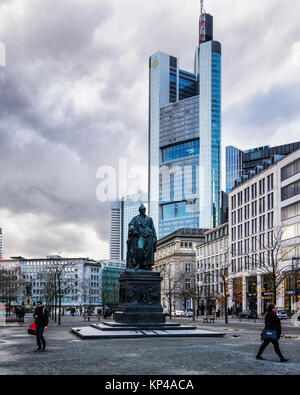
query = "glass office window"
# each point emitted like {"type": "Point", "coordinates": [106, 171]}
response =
{"type": "Point", "coordinates": [180, 151]}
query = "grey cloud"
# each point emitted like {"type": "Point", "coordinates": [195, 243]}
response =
{"type": "Point", "coordinates": [51, 148]}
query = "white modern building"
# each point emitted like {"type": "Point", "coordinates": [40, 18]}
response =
{"type": "Point", "coordinates": [82, 274]}
{"type": "Point", "coordinates": [264, 211]}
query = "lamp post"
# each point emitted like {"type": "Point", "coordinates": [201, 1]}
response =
{"type": "Point", "coordinates": [294, 260]}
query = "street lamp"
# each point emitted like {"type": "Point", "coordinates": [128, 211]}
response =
{"type": "Point", "coordinates": [294, 279]}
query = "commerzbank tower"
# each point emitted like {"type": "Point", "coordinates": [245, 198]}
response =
{"type": "Point", "coordinates": [185, 137]}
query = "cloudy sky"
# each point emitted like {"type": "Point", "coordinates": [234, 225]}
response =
{"type": "Point", "coordinates": [74, 97]}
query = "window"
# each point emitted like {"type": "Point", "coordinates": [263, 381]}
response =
{"type": "Point", "coordinates": [262, 205]}
{"type": "Point", "coordinates": [233, 234]}
{"type": "Point", "coordinates": [247, 211]}
{"type": "Point", "coordinates": [187, 283]}
{"type": "Point", "coordinates": [240, 231]}
{"type": "Point", "coordinates": [233, 202]}
{"type": "Point", "coordinates": [270, 182]}
{"type": "Point", "coordinates": [262, 186]}
{"type": "Point", "coordinates": [254, 226]}
{"type": "Point", "coordinates": [270, 201]}
{"type": "Point", "coordinates": [290, 190]}
{"type": "Point", "coordinates": [247, 229]}
{"type": "Point", "coordinates": [262, 241]}
{"type": "Point", "coordinates": [240, 215]}
{"type": "Point", "coordinates": [262, 223]}
{"type": "Point", "coordinates": [254, 191]}
{"type": "Point", "coordinates": [290, 211]}
{"type": "Point", "coordinates": [289, 232]}
{"type": "Point", "coordinates": [270, 220]}
{"type": "Point", "coordinates": [233, 218]}
{"type": "Point", "coordinates": [180, 151]}
{"type": "Point", "coordinates": [290, 170]}
{"type": "Point", "coordinates": [247, 195]}
{"type": "Point", "coordinates": [240, 198]}
{"type": "Point", "coordinates": [188, 268]}
{"type": "Point", "coordinates": [254, 209]}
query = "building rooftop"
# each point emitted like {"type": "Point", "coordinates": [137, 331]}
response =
{"type": "Point", "coordinates": [184, 232]}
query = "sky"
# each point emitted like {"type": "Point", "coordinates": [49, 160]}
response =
{"type": "Point", "coordinates": [74, 98]}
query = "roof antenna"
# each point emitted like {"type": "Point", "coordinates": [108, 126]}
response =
{"type": "Point", "coordinates": [202, 23]}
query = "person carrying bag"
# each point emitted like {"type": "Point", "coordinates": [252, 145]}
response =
{"type": "Point", "coordinates": [271, 333]}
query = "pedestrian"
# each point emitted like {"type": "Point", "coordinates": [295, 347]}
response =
{"type": "Point", "coordinates": [41, 316]}
{"type": "Point", "coordinates": [21, 315]}
{"type": "Point", "coordinates": [272, 322]}
{"type": "Point", "coordinates": [17, 310]}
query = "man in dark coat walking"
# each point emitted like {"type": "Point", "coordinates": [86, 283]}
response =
{"type": "Point", "coordinates": [41, 316]}
{"type": "Point", "coordinates": [272, 322]}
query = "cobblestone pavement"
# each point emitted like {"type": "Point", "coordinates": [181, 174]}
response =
{"type": "Point", "coordinates": [233, 354]}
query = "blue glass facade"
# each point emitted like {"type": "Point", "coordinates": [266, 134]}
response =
{"type": "Point", "coordinates": [180, 151]}
{"type": "Point", "coordinates": [234, 164]}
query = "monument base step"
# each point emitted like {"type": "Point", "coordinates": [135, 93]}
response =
{"type": "Point", "coordinates": [115, 326]}
{"type": "Point", "coordinates": [117, 331]}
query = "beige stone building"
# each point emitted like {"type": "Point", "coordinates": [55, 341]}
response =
{"type": "Point", "coordinates": [211, 258]}
{"type": "Point", "coordinates": [175, 259]}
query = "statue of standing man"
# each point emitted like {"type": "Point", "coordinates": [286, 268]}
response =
{"type": "Point", "coordinates": [141, 243]}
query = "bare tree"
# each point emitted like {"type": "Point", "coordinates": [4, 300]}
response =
{"type": "Point", "coordinates": [226, 286]}
{"type": "Point", "coordinates": [186, 287]}
{"type": "Point", "coordinates": [169, 285]}
{"type": "Point", "coordinates": [59, 280]}
{"type": "Point", "coordinates": [267, 260]}
{"type": "Point", "coordinates": [11, 283]}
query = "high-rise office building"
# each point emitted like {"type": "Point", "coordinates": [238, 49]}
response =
{"type": "Point", "coordinates": [234, 166]}
{"type": "Point", "coordinates": [121, 213]}
{"type": "Point", "coordinates": [185, 137]}
{"type": "Point", "coordinates": [115, 242]}
{"type": "Point", "coordinates": [240, 163]}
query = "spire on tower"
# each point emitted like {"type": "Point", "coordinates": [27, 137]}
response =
{"type": "Point", "coordinates": [202, 23]}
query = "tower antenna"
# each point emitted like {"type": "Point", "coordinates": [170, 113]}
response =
{"type": "Point", "coordinates": [202, 23]}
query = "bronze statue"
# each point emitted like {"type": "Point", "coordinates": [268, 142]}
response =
{"type": "Point", "coordinates": [141, 243]}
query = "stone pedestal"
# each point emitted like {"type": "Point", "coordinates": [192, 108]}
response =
{"type": "Point", "coordinates": [139, 301]}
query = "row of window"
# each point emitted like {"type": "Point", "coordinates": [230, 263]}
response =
{"type": "Point", "coordinates": [243, 230]}
{"type": "Point", "coordinates": [257, 207]}
{"type": "Point", "coordinates": [253, 244]}
{"type": "Point", "coordinates": [263, 186]}
{"type": "Point", "coordinates": [251, 262]}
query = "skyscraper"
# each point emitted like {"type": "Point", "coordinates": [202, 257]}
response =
{"type": "Point", "coordinates": [185, 137]}
{"type": "Point", "coordinates": [234, 165]}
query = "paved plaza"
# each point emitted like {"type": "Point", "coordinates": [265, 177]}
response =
{"type": "Point", "coordinates": [234, 354]}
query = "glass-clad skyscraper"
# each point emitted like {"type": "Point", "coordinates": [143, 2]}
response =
{"type": "Point", "coordinates": [185, 139]}
{"type": "Point", "coordinates": [234, 165]}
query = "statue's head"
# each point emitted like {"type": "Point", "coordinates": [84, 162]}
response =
{"type": "Point", "coordinates": [142, 209]}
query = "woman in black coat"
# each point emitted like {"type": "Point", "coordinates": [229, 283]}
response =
{"type": "Point", "coordinates": [272, 322]}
